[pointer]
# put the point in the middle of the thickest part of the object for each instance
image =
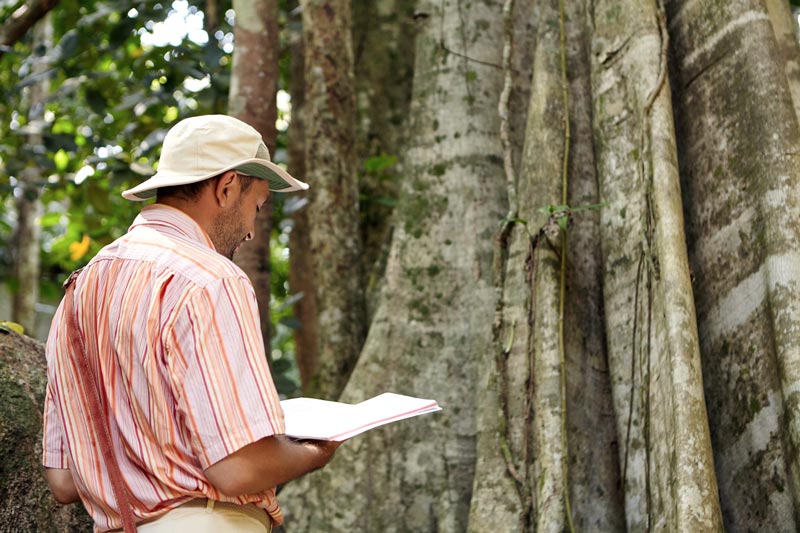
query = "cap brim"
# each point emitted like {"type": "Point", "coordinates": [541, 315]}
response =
{"type": "Point", "coordinates": [279, 180]}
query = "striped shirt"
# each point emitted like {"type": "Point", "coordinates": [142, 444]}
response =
{"type": "Point", "coordinates": [172, 330]}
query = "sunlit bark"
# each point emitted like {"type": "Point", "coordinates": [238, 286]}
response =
{"type": "Point", "coordinates": [738, 136]}
{"type": "Point", "coordinates": [28, 201]}
{"type": "Point", "coordinates": [654, 357]}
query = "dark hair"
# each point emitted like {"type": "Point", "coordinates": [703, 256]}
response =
{"type": "Point", "coordinates": [191, 191]}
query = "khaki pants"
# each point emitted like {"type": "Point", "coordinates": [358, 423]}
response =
{"type": "Point", "coordinates": [208, 516]}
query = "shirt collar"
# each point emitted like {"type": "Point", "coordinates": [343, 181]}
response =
{"type": "Point", "coordinates": [172, 220]}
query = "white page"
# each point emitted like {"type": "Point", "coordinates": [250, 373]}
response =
{"type": "Point", "coordinates": [320, 419]}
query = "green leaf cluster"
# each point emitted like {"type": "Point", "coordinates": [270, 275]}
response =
{"type": "Point", "coordinates": [110, 101]}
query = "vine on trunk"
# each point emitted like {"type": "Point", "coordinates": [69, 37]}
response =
{"type": "Point", "coordinates": [646, 257]}
{"type": "Point", "coordinates": [563, 266]}
{"type": "Point", "coordinates": [521, 484]}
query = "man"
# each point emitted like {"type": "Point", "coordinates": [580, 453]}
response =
{"type": "Point", "coordinates": [170, 326]}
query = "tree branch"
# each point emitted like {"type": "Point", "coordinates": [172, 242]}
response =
{"type": "Point", "coordinates": [21, 21]}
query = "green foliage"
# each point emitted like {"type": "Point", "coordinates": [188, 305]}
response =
{"type": "Point", "coordinates": [110, 101]}
{"type": "Point", "coordinates": [562, 214]}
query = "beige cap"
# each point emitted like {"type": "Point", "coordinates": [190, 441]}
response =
{"type": "Point", "coordinates": [199, 148]}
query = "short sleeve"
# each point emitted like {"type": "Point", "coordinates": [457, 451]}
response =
{"type": "Point", "coordinates": [219, 369]}
{"type": "Point", "coordinates": [54, 451]}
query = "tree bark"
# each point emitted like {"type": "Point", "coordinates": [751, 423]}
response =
{"type": "Point", "coordinates": [333, 206]}
{"type": "Point", "coordinates": [738, 132]}
{"type": "Point", "coordinates": [25, 501]}
{"type": "Point", "coordinates": [383, 41]}
{"type": "Point", "coordinates": [301, 274]}
{"type": "Point", "coordinates": [665, 452]}
{"type": "Point", "coordinates": [21, 20]}
{"type": "Point", "coordinates": [430, 330]}
{"type": "Point", "coordinates": [501, 492]}
{"type": "Point", "coordinates": [28, 231]}
{"type": "Point", "coordinates": [252, 99]}
{"type": "Point", "coordinates": [211, 18]}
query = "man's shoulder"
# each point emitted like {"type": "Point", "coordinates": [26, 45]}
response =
{"type": "Point", "coordinates": [169, 254]}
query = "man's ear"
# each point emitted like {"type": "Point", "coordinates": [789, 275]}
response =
{"type": "Point", "coordinates": [226, 188]}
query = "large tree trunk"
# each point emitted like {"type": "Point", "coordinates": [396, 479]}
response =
{"type": "Point", "coordinates": [25, 501]}
{"type": "Point", "coordinates": [431, 329]}
{"type": "Point", "coordinates": [654, 357]}
{"type": "Point", "coordinates": [252, 99]}
{"type": "Point", "coordinates": [738, 132]}
{"type": "Point", "coordinates": [544, 462]}
{"type": "Point", "coordinates": [333, 207]}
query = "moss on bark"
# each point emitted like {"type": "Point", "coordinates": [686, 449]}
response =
{"type": "Point", "coordinates": [25, 501]}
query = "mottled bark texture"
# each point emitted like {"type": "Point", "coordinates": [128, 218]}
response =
{"type": "Point", "coordinates": [520, 477]}
{"type": "Point", "coordinates": [738, 137]}
{"type": "Point", "coordinates": [501, 492]}
{"type": "Point", "coordinates": [333, 198]}
{"type": "Point", "coordinates": [383, 46]}
{"type": "Point", "coordinates": [25, 501]}
{"type": "Point", "coordinates": [301, 276]}
{"type": "Point", "coordinates": [654, 357]}
{"type": "Point", "coordinates": [252, 99]}
{"type": "Point", "coordinates": [431, 331]}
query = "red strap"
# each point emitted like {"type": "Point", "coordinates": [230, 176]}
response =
{"type": "Point", "coordinates": [91, 396]}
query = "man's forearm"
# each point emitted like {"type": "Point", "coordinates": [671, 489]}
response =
{"type": "Point", "coordinates": [61, 484]}
{"type": "Point", "coordinates": [267, 463]}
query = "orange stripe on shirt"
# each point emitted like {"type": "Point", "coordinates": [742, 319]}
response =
{"type": "Point", "coordinates": [172, 328]}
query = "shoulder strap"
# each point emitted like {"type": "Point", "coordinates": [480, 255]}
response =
{"type": "Point", "coordinates": [91, 395]}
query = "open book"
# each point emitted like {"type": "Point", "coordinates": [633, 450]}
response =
{"type": "Point", "coordinates": [309, 418]}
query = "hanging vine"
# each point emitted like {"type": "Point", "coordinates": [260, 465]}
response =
{"type": "Point", "coordinates": [563, 273]}
{"type": "Point", "coordinates": [503, 348]}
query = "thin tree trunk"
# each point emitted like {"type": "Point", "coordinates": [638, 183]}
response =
{"type": "Point", "coordinates": [27, 237]}
{"type": "Point", "coordinates": [596, 497]}
{"type": "Point", "coordinates": [252, 99]}
{"type": "Point", "coordinates": [28, 232]}
{"type": "Point", "coordinates": [383, 41]}
{"type": "Point", "coordinates": [501, 492]}
{"type": "Point", "coordinates": [21, 20]}
{"type": "Point", "coordinates": [301, 274]}
{"type": "Point", "coordinates": [333, 207]}
{"type": "Point", "coordinates": [738, 132]}
{"type": "Point", "coordinates": [665, 452]}
{"type": "Point", "coordinates": [431, 330]}
{"type": "Point", "coordinates": [211, 18]}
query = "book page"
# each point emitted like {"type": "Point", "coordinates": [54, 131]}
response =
{"type": "Point", "coordinates": [309, 418]}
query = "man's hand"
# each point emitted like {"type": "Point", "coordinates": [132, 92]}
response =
{"type": "Point", "coordinates": [267, 463]}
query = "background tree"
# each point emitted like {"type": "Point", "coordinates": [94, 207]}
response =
{"type": "Point", "coordinates": [430, 326]}
{"type": "Point", "coordinates": [28, 202]}
{"type": "Point", "coordinates": [738, 129]}
{"type": "Point", "coordinates": [252, 98]}
{"type": "Point", "coordinates": [330, 163]}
